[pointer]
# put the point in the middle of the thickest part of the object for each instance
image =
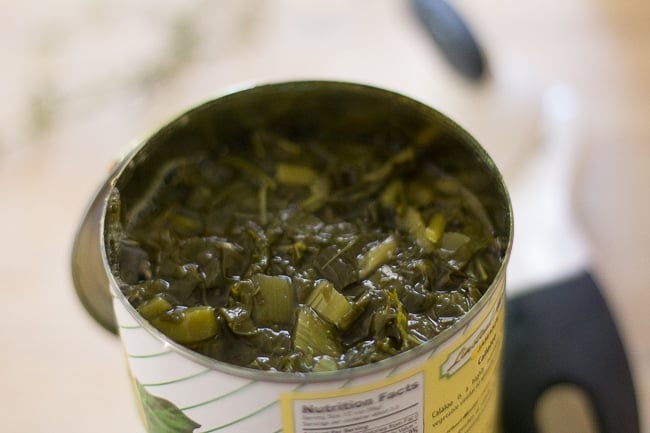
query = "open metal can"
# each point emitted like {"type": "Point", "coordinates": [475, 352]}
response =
{"type": "Point", "coordinates": [449, 384]}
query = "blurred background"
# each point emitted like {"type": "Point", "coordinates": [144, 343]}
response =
{"type": "Point", "coordinates": [563, 110]}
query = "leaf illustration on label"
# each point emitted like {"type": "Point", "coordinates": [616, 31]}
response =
{"type": "Point", "coordinates": [162, 416]}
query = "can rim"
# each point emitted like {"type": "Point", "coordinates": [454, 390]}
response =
{"type": "Point", "coordinates": [101, 201]}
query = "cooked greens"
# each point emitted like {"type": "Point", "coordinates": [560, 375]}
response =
{"type": "Point", "coordinates": [306, 256]}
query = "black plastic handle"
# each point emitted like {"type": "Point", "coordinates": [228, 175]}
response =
{"type": "Point", "coordinates": [564, 333]}
{"type": "Point", "coordinates": [453, 36]}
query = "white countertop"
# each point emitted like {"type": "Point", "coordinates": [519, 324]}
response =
{"type": "Point", "coordinates": [83, 80]}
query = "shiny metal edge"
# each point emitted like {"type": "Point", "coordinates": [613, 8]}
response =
{"type": "Point", "coordinates": [92, 297]}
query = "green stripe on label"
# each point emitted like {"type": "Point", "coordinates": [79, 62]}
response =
{"type": "Point", "coordinates": [192, 376]}
{"type": "Point", "coordinates": [235, 391]}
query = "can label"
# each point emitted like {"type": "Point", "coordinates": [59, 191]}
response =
{"type": "Point", "coordinates": [456, 390]}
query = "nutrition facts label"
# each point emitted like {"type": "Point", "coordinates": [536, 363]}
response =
{"type": "Point", "coordinates": [455, 390]}
{"type": "Point", "coordinates": [397, 408]}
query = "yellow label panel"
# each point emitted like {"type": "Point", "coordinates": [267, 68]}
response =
{"type": "Point", "coordinates": [463, 388]}
{"type": "Point", "coordinates": [393, 407]}
{"type": "Point", "coordinates": [455, 391]}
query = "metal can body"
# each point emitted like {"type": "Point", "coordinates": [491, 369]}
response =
{"type": "Point", "coordinates": [448, 384]}
{"type": "Point", "coordinates": [450, 387]}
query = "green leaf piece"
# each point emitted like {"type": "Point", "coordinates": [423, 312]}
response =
{"type": "Point", "coordinates": [161, 415]}
{"type": "Point", "coordinates": [329, 303]}
{"type": "Point", "coordinates": [377, 256]}
{"type": "Point", "coordinates": [187, 325]}
{"type": "Point", "coordinates": [314, 336]}
{"type": "Point", "coordinates": [274, 300]}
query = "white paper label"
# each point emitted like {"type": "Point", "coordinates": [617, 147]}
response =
{"type": "Point", "coordinates": [397, 408]}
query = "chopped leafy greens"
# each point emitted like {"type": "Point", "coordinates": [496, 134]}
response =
{"type": "Point", "coordinates": [307, 256]}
